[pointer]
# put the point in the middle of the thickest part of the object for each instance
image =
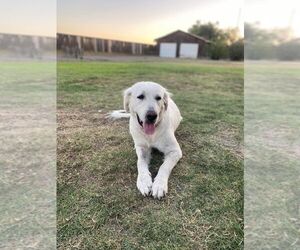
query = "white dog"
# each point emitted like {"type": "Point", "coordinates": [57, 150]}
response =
{"type": "Point", "coordinates": [154, 117]}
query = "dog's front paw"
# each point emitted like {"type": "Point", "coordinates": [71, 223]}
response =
{"type": "Point", "coordinates": [160, 187]}
{"type": "Point", "coordinates": [144, 183]}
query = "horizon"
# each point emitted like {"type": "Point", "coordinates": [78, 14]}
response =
{"type": "Point", "coordinates": [148, 20]}
{"type": "Point", "coordinates": [141, 21]}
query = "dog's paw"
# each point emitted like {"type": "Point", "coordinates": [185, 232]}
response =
{"type": "Point", "coordinates": [144, 183]}
{"type": "Point", "coordinates": [159, 188]}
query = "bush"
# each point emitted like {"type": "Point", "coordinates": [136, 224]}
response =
{"type": "Point", "coordinates": [289, 51]}
{"type": "Point", "coordinates": [236, 51]}
{"type": "Point", "coordinates": [218, 51]}
{"type": "Point", "coordinates": [260, 51]}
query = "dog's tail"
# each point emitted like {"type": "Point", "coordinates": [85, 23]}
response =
{"type": "Point", "coordinates": [118, 114]}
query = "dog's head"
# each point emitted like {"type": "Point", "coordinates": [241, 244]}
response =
{"type": "Point", "coordinates": [146, 101]}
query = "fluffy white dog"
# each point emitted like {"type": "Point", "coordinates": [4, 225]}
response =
{"type": "Point", "coordinates": [154, 117]}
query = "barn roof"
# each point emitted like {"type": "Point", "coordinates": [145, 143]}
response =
{"type": "Point", "coordinates": [186, 33]}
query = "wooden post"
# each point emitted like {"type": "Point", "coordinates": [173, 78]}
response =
{"type": "Point", "coordinates": [109, 46]}
{"type": "Point", "coordinates": [95, 45]}
{"type": "Point", "coordinates": [78, 42]}
{"type": "Point", "coordinates": [103, 45]}
{"type": "Point", "coordinates": [36, 42]}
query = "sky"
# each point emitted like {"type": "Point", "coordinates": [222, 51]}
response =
{"type": "Point", "coordinates": [29, 17]}
{"type": "Point", "coordinates": [140, 20]}
{"type": "Point", "coordinates": [272, 14]}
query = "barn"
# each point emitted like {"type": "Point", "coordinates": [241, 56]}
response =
{"type": "Point", "coordinates": [181, 44]}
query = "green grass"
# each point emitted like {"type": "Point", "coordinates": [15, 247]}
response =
{"type": "Point", "coordinates": [272, 135]}
{"type": "Point", "coordinates": [99, 206]}
{"type": "Point", "coordinates": [28, 159]}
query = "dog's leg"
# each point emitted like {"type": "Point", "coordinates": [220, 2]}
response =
{"type": "Point", "coordinates": [160, 184]}
{"type": "Point", "coordinates": [144, 179]}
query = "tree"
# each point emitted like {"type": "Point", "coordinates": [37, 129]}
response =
{"type": "Point", "coordinates": [253, 33]}
{"type": "Point", "coordinates": [231, 35]}
{"type": "Point", "coordinates": [289, 51]}
{"type": "Point", "coordinates": [209, 30]}
{"type": "Point", "coordinates": [268, 43]}
{"type": "Point", "coordinates": [236, 50]}
{"type": "Point", "coordinates": [219, 50]}
{"type": "Point", "coordinates": [221, 38]}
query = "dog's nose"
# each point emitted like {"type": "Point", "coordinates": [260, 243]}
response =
{"type": "Point", "coordinates": [151, 116]}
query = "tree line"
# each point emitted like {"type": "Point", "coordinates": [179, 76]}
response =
{"type": "Point", "coordinates": [257, 44]}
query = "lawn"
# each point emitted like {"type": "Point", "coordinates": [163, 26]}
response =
{"type": "Point", "coordinates": [28, 155]}
{"type": "Point", "coordinates": [272, 146]}
{"type": "Point", "coordinates": [98, 204]}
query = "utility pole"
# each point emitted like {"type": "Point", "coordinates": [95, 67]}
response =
{"type": "Point", "coordinates": [238, 18]}
{"type": "Point", "coordinates": [290, 24]}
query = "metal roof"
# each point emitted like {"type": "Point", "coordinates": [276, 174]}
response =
{"type": "Point", "coordinates": [195, 36]}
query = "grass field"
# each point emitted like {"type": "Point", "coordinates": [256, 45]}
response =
{"type": "Point", "coordinates": [272, 155]}
{"type": "Point", "coordinates": [28, 155]}
{"type": "Point", "coordinates": [98, 204]}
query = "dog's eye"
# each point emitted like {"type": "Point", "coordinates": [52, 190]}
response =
{"type": "Point", "coordinates": [141, 97]}
{"type": "Point", "coordinates": [158, 98]}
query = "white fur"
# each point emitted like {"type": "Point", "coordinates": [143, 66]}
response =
{"type": "Point", "coordinates": [118, 114]}
{"type": "Point", "coordinates": [163, 138]}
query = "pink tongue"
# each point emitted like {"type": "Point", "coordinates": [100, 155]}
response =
{"type": "Point", "coordinates": [149, 128]}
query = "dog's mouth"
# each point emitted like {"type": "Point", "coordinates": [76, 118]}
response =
{"type": "Point", "coordinates": [139, 120]}
{"type": "Point", "coordinates": [149, 128]}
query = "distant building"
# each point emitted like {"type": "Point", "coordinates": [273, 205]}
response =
{"type": "Point", "coordinates": [181, 44]}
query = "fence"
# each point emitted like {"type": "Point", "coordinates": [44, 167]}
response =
{"type": "Point", "coordinates": [26, 45]}
{"type": "Point", "coordinates": [76, 45]}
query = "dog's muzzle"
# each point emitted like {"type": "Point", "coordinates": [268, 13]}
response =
{"type": "Point", "coordinates": [148, 126]}
{"type": "Point", "coordinates": [139, 120]}
{"type": "Point", "coordinates": [151, 117]}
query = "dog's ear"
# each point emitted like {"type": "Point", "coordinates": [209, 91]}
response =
{"type": "Point", "coordinates": [126, 96]}
{"type": "Point", "coordinates": [166, 99]}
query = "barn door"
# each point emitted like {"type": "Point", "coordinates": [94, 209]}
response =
{"type": "Point", "coordinates": [188, 50]}
{"type": "Point", "coordinates": [167, 50]}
